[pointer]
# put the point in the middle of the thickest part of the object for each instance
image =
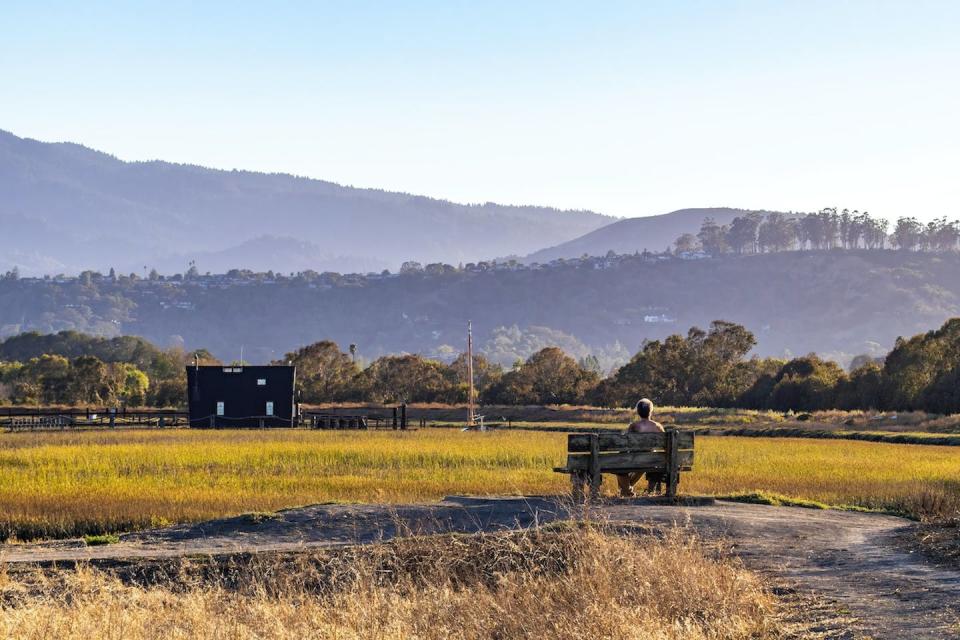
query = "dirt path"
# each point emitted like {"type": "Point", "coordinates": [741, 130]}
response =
{"type": "Point", "coordinates": [852, 558]}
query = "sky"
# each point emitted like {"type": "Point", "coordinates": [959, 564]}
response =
{"type": "Point", "coordinates": [629, 109]}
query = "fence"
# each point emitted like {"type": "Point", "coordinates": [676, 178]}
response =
{"type": "Point", "coordinates": [329, 420]}
{"type": "Point", "coordinates": [44, 418]}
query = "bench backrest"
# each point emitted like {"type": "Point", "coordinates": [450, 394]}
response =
{"type": "Point", "coordinates": [629, 451]}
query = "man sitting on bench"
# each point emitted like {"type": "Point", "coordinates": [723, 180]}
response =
{"type": "Point", "coordinates": [643, 425]}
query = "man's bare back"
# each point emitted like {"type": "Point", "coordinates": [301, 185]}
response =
{"type": "Point", "coordinates": [644, 425]}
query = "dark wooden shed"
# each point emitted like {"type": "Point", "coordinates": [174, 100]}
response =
{"type": "Point", "coordinates": [241, 396]}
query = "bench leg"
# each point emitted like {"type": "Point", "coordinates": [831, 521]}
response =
{"type": "Point", "coordinates": [673, 463]}
{"type": "Point", "coordinates": [596, 478]}
{"type": "Point", "coordinates": [578, 482]}
{"type": "Point", "coordinates": [595, 483]}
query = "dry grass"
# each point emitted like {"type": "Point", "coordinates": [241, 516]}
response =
{"type": "Point", "coordinates": [563, 583]}
{"type": "Point", "coordinates": [74, 484]}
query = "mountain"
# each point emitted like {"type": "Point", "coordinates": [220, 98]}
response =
{"type": "Point", "coordinates": [66, 208]}
{"type": "Point", "coordinates": [839, 303]}
{"type": "Point", "coordinates": [654, 233]}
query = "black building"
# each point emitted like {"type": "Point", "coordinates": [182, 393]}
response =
{"type": "Point", "coordinates": [241, 396]}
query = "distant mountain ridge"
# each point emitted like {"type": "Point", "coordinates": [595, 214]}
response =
{"type": "Point", "coordinates": [653, 233]}
{"type": "Point", "coordinates": [65, 207]}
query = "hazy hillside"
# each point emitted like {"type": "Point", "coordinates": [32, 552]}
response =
{"type": "Point", "coordinates": [653, 233]}
{"type": "Point", "coordinates": [832, 302]}
{"type": "Point", "coordinates": [65, 208]}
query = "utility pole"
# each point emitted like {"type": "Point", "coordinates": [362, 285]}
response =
{"type": "Point", "coordinates": [471, 413]}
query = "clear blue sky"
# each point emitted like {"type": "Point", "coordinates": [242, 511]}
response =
{"type": "Point", "coordinates": [630, 108]}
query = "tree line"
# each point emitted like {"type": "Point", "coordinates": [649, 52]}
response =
{"type": "Point", "coordinates": [708, 367]}
{"type": "Point", "coordinates": [826, 229]}
{"type": "Point", "coordinates": [702, 368]}
{"type": "Point", "coordinates": [72, 368]}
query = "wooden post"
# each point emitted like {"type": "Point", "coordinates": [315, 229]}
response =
{"type": "Point", "coordinates": [403, 416]}
{"type": "Point", "coordinates": [577, 481]}
{"type": "Point", "coordinates": [673, 463]}
{"type": "Point", "coordinates": [595, 476]}
{"type": "Point", "coordinates": [394, 417]}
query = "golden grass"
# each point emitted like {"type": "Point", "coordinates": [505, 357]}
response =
{"type": "Point", "coordinates": [72, 484]}
{"type": "Point", "coordinates": [542, 584]}
{"type": "Point", "coordinates": [56, 484]}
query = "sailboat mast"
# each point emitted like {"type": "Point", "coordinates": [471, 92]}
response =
{"type": "Point", "coordinates": [471, 414]}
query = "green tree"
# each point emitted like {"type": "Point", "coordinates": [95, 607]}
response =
{"type": "Point", "coordinates": [88, 378]}
{"type": "Point", "coordinates": [548, 377]}
{"type": "Point", "coordinates": [777, 233]}
{"type": "Point", "coordinates": [485, 374]}
{"type": "Point", "coordinates": [742, 235]}
{"type": "Point", "coordinates": [135, 386]}
{"type": "Point", "coordinates": [806, 384]}
{"type": "Point", "coordinates": [863, 389]}
{"type": "Point", "coordinates": [701, 368]}
{"type": "Point", "coordinates": [126, 384]}
{"type": "Point", "coordinates": [406, 378]}
{"type": "Point", "coordinates": [686, 243]}
{"type": "Point", "coordinates": [324, 372]}
{"type": "Point", "coordinates": [45, 380]}
{"type": "Point", "coordinates": [907, 234]}
{"type": "Point", "coordinates": [915, 370]}
{"type": "Point", "coordinates": [713, 237]}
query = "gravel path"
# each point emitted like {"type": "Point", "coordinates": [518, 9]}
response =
{"type": "Point", "coordinates": [851, 558]}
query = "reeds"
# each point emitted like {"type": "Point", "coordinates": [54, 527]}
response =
{"type": "Point", "coordinates": [556, 583]}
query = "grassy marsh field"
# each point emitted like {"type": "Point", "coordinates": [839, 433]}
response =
{"type": "Point", "coordinates": [67, 484]}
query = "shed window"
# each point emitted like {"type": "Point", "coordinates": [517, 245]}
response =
{"type": "Point", "coordinates": [261, 382]}
{"type": "Point", "coordinates": [219, 408]}
{"type": "Point", "coordinates": [269, 408]}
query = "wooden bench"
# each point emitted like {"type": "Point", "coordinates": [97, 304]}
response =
{"type": "Point", "coordinates": [589, 455]}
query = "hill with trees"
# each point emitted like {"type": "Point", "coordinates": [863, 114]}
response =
{"type": "Point", "coordinates": [722, 230]}
{"type": "Point", "coordinates": [756, 232]}
{"type": "Point", "coordinates": [839, 303]}
{"type": "Point", "coordinates": [651, 233]}
{"type": "Point", "coordinates": [66, 208]}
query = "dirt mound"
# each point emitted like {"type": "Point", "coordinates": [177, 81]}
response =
{"type": "Point", "coordinates": [856, 560]}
